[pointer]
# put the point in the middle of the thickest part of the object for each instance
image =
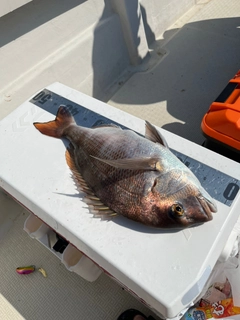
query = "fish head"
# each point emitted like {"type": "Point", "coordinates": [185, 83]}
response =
{"type": "Point", "coordinates": [189, 205]}
{"type": "Point", "coordinates": [191, 210]}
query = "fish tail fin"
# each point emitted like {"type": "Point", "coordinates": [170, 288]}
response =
{"type": "Point", "coordinates": [56, 127]}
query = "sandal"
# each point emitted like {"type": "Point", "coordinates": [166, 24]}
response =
{"type": "Point", "coordinates": [131, 313]}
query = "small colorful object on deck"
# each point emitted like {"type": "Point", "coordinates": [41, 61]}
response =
{"type": "Point", "coordinates": [25, 270]}
{"type": "Point", "coordinates": [43, 272]}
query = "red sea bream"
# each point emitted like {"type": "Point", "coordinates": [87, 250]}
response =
{"type": "Point", "coordinates": [134, 176]}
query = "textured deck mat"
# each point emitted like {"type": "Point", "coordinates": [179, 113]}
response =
{"type": "Point", "coordinates": [62, 295]}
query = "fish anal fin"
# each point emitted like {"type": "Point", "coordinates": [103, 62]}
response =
{"type": "Point", "coordinates": [144, 163]}
{"type": "Point", "coordinates": [97, 208]}
{"type": "Point", "coordinates": [152, 134]}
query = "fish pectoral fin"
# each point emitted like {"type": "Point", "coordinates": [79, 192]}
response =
{"type": "Point", "coordinates": [144, 163]}
{"type": "Point", "coordinates": [152, 134]}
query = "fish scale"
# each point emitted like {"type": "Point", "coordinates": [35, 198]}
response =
{"type": "Point", "coordinates": [101, 148]}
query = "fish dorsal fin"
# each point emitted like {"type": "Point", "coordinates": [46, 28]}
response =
{"type": "Point", "coordinates": [144, 163]}
{"type": "Point", "coordinates": [151, 133]}
{"type": "Point", "coordinates": [96, 207]}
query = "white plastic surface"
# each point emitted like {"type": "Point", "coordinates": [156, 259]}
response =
{"type": "Point", "coordinates": [76, 262]}
{"type": "Point", "coordinates": [165, 269]}
{"type": "Point", "coordinates": [71, 257]}
{"type": "Point", "coordinates": [35, 227]}
{"type": "Point", "coordinates": [10, 5]}
{"type": "Point", "coordinates": [231, 247]}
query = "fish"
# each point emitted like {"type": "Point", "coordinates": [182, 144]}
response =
{"type": "Point", "coordinates": [124, 173]}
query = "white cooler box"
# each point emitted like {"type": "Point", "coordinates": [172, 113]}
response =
{"type": "Point", "coordinates": [166, 270]}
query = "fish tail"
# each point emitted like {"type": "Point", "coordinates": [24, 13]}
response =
{"type": "Point", "coordinates": [56, 127]}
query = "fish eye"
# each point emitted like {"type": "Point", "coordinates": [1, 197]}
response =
{"type": "Point", "coordinates": [177, 209]}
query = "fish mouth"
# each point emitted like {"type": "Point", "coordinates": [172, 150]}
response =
{"type": "Point", "coordinates": [208, 207]}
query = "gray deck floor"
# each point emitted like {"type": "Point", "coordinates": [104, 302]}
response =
{"type": "Point", "coordinates": [201, 57]}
